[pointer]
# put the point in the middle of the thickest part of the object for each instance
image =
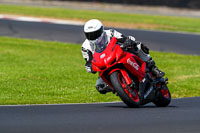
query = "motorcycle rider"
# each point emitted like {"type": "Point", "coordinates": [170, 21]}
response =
{"type": "Point", "coordinates": [94, 29]}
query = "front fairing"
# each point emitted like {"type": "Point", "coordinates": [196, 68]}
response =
{"type": "Point", "coordinates": [113, 58]}
{"type": "Point", "coordinates": [107, 57]}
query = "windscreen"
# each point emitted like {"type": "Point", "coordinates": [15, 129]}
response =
{"type": "Point", "coordinates": [101, 43]}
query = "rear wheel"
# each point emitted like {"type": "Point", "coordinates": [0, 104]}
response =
{"type": "Point", "coordinates": [128, 95]}
{"type": "Point", "coordinates": [163, 97]}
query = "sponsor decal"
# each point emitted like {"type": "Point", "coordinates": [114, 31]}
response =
{"type": "Point", "coordinates": [108, 58]}
{"type": "Point", "coordinates": [102, 56]}
{"type": "Point", "coordinates": [133, 64]}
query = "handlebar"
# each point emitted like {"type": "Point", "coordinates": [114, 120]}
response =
{"type": "Point", "coordinates": [121, 45]}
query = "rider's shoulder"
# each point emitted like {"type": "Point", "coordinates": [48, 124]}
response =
{"type": "Point", "coordinates": [85, 43]}
{"type": "Point", "coordinates": [113, 33]}
{"type": "Point", "coordinates": [110, 32]}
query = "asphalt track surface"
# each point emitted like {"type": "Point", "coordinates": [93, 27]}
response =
{"type": "Point", "coordinates": [182, 116]}
{"type": "Point", "coordinates": [159, 41]}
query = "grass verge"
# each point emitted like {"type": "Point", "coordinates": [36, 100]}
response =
{"type": "Point", "coordinates": [138, 21]}
{"type": "Point", "coordinates": [40, 72]}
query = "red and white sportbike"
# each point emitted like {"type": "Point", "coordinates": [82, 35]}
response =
{"type": "Point", "coordinates": [127, 75]}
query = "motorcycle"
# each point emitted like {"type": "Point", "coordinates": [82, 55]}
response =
{"type": "Point", "coordinates": [128, 75]}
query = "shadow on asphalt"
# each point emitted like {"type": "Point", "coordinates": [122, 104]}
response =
{"type": "Point", "coordinates": [141, 107]}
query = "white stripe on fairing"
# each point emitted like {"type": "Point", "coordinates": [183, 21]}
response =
{"type": "Point", "coordinates": [44, 20]}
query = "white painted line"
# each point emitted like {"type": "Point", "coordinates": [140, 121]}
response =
{"type": "Point", "coordinates": [27, 19]}
{"type": "Point", "coordinates": [42, 20]}
{"type": "Point", "coordinates": [27, 105]}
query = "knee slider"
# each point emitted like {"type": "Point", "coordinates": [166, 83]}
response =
{"type": "Point", "coordinates": [143, 52]}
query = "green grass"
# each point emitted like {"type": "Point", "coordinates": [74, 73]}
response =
{"type": "Point", "coordinates": [40, 72]}
{"type": "Point", "coordinates": [141, 21]}
{"type": "Point", "coordinates": [183, 73]}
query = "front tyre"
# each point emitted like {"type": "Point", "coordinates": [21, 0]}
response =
{"type": "Point", "coordinates": [128, 95]}
{"type": "Point", "coordinates": [163, 97]}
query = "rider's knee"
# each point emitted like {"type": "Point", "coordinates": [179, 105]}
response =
{"type": "Point", "coordinates": [143, 52]}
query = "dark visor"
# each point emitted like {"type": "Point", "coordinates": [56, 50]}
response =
{"type": "Point", "coordinates": [94, 35]}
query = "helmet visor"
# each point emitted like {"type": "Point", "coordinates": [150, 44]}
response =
{"type": "Point", "coordinates": [94, 35]}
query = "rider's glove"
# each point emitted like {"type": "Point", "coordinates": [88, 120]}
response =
{"type": "Point", "coordinates": [88, 65]}
{"type": "Point", "coordinates": [88, 68]}
{"type": "Point", "coordinates": [130, 43]}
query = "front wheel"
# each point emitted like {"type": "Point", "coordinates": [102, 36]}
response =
{"type": "Point", "coordinates": [128, 95]}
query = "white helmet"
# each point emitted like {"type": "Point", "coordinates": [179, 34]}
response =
{"type": "Point", "coordinates": [93, 29]}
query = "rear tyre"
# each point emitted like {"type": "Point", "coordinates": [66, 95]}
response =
{"type": "Point", "coordinates": [163, 97]}
{"type": "Point", "coordinates": [128, 95]}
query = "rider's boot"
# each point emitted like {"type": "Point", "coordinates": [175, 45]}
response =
{"type": "Point", "coordinates": [154, 69]}
{"type": "Point", "coordinates": [143, 53]}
